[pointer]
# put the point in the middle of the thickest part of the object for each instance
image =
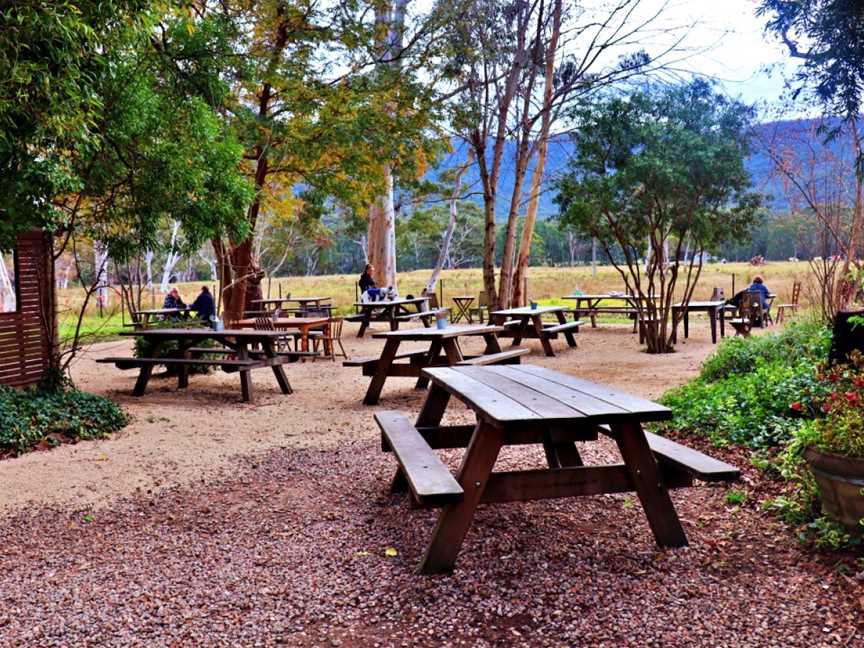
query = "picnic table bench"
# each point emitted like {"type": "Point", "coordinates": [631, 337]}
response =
{"type": "Point", "coordinates": [527, 404]}
{"type": "Point", "coordinates": [527, 322]}
{"type": "Point", "coordinates": [392, 311]}
{"type": "Point", "coordinates": [238, 344]}
{"type": "Point", "coordinates": [443, 350]}
{"type": "Point", "coordinates": [592, 305]}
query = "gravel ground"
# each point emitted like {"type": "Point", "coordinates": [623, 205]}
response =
{"type": "Point", "coordinates": [292, 549]}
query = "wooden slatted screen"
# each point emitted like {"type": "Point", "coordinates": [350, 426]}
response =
{"type": "Point", "coordinates": [27, 334]}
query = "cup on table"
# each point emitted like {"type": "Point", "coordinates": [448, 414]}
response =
{"type": "Point", "coordinates": [533, 305]}
{"type": "Point", "coordinates": [441, 319]}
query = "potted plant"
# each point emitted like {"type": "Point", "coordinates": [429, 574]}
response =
{"type": "Point", "coordinates": [835, 443]}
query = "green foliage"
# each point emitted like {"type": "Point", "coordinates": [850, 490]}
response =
{"type": "Point", "coordinates": [29, 416]}
{"type": "Point", "coordinates": [744, 393]}
{"type": "Point", "coordinates": [827, 36]}
{"type": "Point", "coordinates": [735, 497]}
{"type": "Point", "coordinates": [665, 163]}
{"type": "Point", "coordinates": [841, 429]}
{"type": "Point", "coordinates": [739, 355]}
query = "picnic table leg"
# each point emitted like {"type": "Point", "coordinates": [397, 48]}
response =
{"type": "Point", "coordinates": [381, 371]}
{"type": "Point", "coordinates": [364, 323]}
{"type": "Point", "coordinates": [143, 378]}
{"type": "Point", "coordinates": [455, 519]}
{"type": "Point", "coordinates": [431, 357]}
{"type": "Point", "coordinates": [517, 333]}
{"type": "Point", "coordinates": [245, 374]}
{"type": "Point", "coordinates": [278, 370]}
{"type": "Point", "coordinates": [562, 319]}
{"type": "Point", "coordinates": [655, 499]}
{"type": "Point", "coordinates": [541, 335]}
{"type": "Point", "coordinates": [675, 323]}
{"type": "Point", "coordinates": [492, 344]}
{"type": "Point", "coordinates": [183, 373]}
{"type": "Point", "coordinates": [393, 313]}
{"type": "Point", "coordinates": [452, 350]}
{"type": "Point", "coordinates": [723, 321]}
{"type": "Point", "coordinates": [712, 317]}
{"type": "Point", "coordinates": [561, 455]}
{"type": "Point", "coordinates": [686, 323]}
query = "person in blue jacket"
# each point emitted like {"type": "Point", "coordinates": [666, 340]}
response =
{"type": "Point", "coordinates": [758, 286]}
{"type": "Point", "coordinates": [204, 305]}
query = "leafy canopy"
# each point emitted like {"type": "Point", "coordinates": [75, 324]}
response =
{"type": "Point", "coordinates": [662, 162]}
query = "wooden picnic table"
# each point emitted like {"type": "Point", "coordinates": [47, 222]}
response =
{"type": "Point", "coordinates": [392, 311]}
{"type": "Point", "coordinates": [443, 350]}
{"type": "Point", "coordinates": [303, 326]}
{"type": "Point", "coordinates": [527, 404]}
{"type": "Point", "coordinates": [143, 317]}
{"type": "Point", "coordinates": [238, 347]}
{"type": "Point", "coordinates": [592, 305]}
{"type": "Point", "coordinates": [716, 309]}
{"type": "Point", "coordinates": [305, 305]}
{"type": "Point", "coordinates": [463, 304]}
{"type": "Point", "coordinates": [527, 322]}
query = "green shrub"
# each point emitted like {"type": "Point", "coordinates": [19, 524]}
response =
{"type": "Point", "coordinates": [30, 416]}
{"type": "Point", "coordinates": [740, 355]}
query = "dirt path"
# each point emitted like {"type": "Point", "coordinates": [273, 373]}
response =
{"type": "Point", "coordinates": [181, 438]}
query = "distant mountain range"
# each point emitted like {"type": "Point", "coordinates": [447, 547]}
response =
{"type": "Point", "coordinates": [798, 135]}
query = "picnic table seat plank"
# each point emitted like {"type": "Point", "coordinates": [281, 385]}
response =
{"type": "Point", "coordinates": [430, 481]}
{"type": "Point", "coordinates": [418, 315]}
{"type": "Point", "coordinates": [132, 363]}
{"type": "Point", "coordinates": [560, 328]}
{"type": "Point", "coordinates": [360, 362]}
{"type": "Point", "coordinates": [511, 355]}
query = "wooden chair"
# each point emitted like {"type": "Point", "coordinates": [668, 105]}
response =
{"type": "Point", "coordinates": [482, 305]}
{"type": "Point", "coordinates": [266, 324]}
{"type": "Point", "coordinates": [332, 337]}
{"type": "Point", "coordinates": [718, 294]}
{"type": "Point", "coordinates": [750, 314]}
{"type": "Point", "coordinates": [792, 305]}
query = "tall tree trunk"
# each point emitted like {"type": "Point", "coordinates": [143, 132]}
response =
{"type": "Point", "coordinates": [543, 146]}
{"type": "Point", "coordinates": [100, 267]}
{"type": "Point", "coordinates": [382, 213]}
{"type": "Point", "coordinates": [444, 252]}
{"type": "Point", "coordinates": [172, 258]}
{"type": "Point", "coordinates": [7, 290]}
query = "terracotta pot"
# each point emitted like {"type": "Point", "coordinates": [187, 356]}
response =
{"type": "Point", "coordinates": [841, 485]}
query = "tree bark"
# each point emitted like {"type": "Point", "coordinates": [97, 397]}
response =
{"type": "Point", "coordinates": [519, 296]}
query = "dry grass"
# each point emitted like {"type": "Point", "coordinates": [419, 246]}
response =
{"type": "Point", "coordinates": [544, 284]}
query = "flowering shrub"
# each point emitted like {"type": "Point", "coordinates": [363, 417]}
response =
{"type": "Point", "coordinates": [839, 427]}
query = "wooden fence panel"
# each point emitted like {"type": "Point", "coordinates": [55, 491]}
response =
{"type": "Point", "coordinates": [26, 336]}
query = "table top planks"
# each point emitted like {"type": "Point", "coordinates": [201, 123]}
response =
{"type": "Point", "coordinates": [529, 394]}
{"type": "Point", "coordinates": [524, 311]}
{"type": "Point", "coordinates": [202, 333]}
{"type": "Point", "coordinates": [433, 333]}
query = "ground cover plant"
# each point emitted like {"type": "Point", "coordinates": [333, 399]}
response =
{"type": "Point", "coordinates": [777, 394]}
{"type": "Point", "coordinates": [51, 414]}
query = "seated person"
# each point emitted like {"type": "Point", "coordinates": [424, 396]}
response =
{"type": "Point", "coordinates": [367, 284]}
{"type": "Point", "coordinates": [758, 286]}
{"type": "Point", "coordinates": [173, 300]}
{"type": "Point", "coordinates": [204, 305]}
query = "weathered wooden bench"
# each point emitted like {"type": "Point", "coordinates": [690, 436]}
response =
{"type": "Point", "coordinates": [510, 356]}
{"type": "Point", "coordinates": [429, 480]}
{"type": "Point", "coordinates": [562, 328]}
{"type": "Point", "coordinates": [680, 458]}
{"type": "Point", "coordinates": [370, 364]}
{"type": "Point", "coordinates": [421, 315]}
{"type": "Point", "coordinates": [137, 363]}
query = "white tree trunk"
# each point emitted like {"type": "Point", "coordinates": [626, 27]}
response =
{"type": "Point", "coordinates": [444, 253]}
{"type": "Point", "coordinates": [148, 267]}
{"type": "Point", "coordinates": [100, 264]}
{"type": "Point", "coordinates": [172, 258]}
{"type": "Point", "coordinates": [7, 290]}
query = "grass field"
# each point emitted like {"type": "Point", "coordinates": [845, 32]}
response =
{"type": "Point", "coordinates": [544, 284]}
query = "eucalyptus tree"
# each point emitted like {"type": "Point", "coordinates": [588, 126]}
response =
{"type": "Point", "coordinates": [664, 165]}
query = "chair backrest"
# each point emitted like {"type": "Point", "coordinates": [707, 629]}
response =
{"type": "Point", "coordinates": [751, 306]}
{"type": "Point", "coordinates": [718, 293]}
{"type": "Point", "coordinates": [433, 301]}
{"type": "Point", "coordinates": [483, 298]}
{"type": "Point", "coordinates": [796, 292]}
{"type": "Point", "coordinates": [264, 324]}
{"type": "Point", "coordinates": [336, 328]}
